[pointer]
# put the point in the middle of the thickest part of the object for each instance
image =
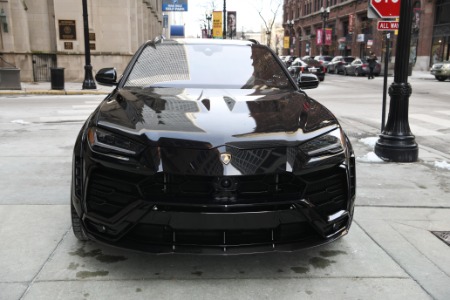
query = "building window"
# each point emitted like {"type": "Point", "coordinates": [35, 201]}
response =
{"type": "Point", "coordinates": [442, 12]}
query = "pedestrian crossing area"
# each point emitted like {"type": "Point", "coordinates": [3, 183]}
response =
{"type": "Point", "coordinates": [434, 123]}
{"type": "Point", "coordinates": [75, 113]}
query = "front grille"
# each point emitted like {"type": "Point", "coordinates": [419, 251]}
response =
{"type": "Point", "coordinates": [209, 190]}
{"type": "Point", "coordinates": [110, 192]}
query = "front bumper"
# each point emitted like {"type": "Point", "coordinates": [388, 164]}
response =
{"type": "Point", "coordinates": [292, 228]}
{"type": "Point", "coordinates": [441, 72]}
{"type": "Point", "coordinates": [289, 212]}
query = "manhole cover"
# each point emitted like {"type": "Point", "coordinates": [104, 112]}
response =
{"type": "Point", "coordinates": [443, 235]}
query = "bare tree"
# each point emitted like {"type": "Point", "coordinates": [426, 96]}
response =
{"type": "Point", "coordinates": [208, 8]}
{"type": "Point", "coordinates": [268, 11]}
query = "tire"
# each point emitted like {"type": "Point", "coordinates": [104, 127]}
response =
{"type": "Point", "coordinates": [78, 230]}
{"type": "Point", "coordinates": [336, 71]}
{"type": "Point", "coordinates": [356, 73]}
{"type": "Point", "coordinates": [345, 72]}
{"type": "Point", "coordinates": [441, 78]}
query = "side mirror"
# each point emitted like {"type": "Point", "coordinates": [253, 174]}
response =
{"type": "Point", "coordinates": [106, 76]}
{"type": "Point", "coordinates": [307, 81]}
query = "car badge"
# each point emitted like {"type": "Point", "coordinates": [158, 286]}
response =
{"type": "Point", "coordinates": [226, 158]}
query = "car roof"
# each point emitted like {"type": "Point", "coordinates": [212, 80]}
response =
{"type": "Point", "coordinates": [210, 42]}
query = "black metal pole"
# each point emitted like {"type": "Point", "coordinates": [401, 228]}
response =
{"type": "Point", "coordinates": [88, 83]}
{"type": "Point", "coordinates": [386, 57]}
{"type": "Point", "coordinates": [290, 39]}
{"type": "Point", "coordinates": [224, 35]}
{"type": "Point", "coordinates": [208, 18]}
{"type": "Point", "coordinates": [397, 143]}
{"type": "Point", "coordinates": [323, 33]}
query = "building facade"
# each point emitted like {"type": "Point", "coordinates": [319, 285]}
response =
{"type": "Point", "coordinates": [36, 35]}
{"type": "Point", "coordinates": [354, 33]}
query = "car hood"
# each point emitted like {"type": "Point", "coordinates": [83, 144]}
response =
{"type": "Point", "coordinates": [440, 65]}
{"type": "Point", "coordinates": [201, 118]}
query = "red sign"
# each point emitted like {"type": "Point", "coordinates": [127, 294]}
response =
{"type": "Point", "coordinates": [319, 37]}
{"type": "Point", "coordinates": [387, 25]}
{"type": "Point", "coordinates": [351, 22]}
{"type": "Point", "coordinates": [386, 8]}
{"type": "Point", "coordinates": [328, 36]}
{"type": "Point", "coordinates": [324, 37]}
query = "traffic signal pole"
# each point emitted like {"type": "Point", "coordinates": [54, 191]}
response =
{"type": "Point", "coordinates": [396, 143]}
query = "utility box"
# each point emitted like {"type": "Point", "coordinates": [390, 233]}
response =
{"type": "Point", "coordinates": [10, 79]}
{"type": "Point", "coordinates": [57, 78]}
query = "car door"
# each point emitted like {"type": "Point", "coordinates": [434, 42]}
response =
{"type": "Point", "coordinates": [332, 64]}
{"type": "Point", "coordinates": [356, 67]}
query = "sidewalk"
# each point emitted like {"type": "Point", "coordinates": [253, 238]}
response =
{"type": "Point", "coordinates": [75, 88]}
{"type": "Point", "coordinates": [397, 247]}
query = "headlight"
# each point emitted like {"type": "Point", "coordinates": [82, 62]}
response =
{"type": "Point", "coordinates": [328, 144]}
{"type": "Point", "coordinates": [109, 143]}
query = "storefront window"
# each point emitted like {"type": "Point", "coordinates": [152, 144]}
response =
{"type": "Point", "coordinates": [440, 49]}
{"type": "Point", "coordinates": [441, 35]}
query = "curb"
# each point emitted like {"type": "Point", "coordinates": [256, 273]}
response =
{"type": "Point", "coordinates": [52, 92]}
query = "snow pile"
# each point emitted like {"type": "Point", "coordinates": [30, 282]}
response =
{"type": "Point", "coordinates": [370, 157]}
{"type": "Point", "coordinates": [442, 165]}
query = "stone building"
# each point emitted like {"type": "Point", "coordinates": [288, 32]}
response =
{"type": "Point", "coordinates": [36, 35]}
{"type": "Point", "coordinates": [354, 33]}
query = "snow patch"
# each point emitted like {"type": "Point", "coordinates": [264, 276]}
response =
{"type": "Point", "coordinates": [370, 141]}
{"type": "Point", "coordinates": [20, 122]}
{"type": "Point", "coordinates": [442, 165]}
{"type": "Point", "coordinates": [370, 157]}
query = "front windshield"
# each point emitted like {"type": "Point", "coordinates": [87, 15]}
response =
{"type": "Point", "coordinates": [173, 64]}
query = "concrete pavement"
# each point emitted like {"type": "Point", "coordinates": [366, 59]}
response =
{"type": "Point", "coordinates": [390, 252]}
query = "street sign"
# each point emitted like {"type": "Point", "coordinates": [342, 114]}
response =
{"type": "Point", "coordinates": [386, 8]}
{"type": "Point", "coordinates": [387, 25]}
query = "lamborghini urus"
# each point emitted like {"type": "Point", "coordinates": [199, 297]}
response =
{"type": "Point", "coordinates": [210, 146]}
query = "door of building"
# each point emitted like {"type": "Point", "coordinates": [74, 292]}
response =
{"type": "Point", "coordinates": [41, 66]}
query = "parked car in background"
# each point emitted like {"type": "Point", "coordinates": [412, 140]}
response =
{"type": "Point", "coordinates": [307, 81]}
{"type": "Point", "coordinates": [441, 70]}
{"type": "Point", "coordinates": [324, 59]}
{"type": "Point", "coordinates": [289, 59]}
{"type": "Point", "coordinates": [336, 65]}
{"type": "Point", "coordinates": [360, 67]}
{"type": "Point", "coordinates": [312, 66]}
{"type": "Point", "coordinates": [181, 158]}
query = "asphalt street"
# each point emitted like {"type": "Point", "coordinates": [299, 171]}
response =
{"type": "Point", "coordinates": [391, 251]}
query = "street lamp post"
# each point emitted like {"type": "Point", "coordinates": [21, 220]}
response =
{"type": "Point", "coordinates": [88, 83]}
{"type": "Point", "coordinates": [208, 18]}
{"type": "Point", "coordinates": [325, 13]}
{"type": "Point", "coordinates": [396, 142]}
{"type": "Point", "coordinates": [290, 24]}
{"type": "Point", "coordinates": [224, 34]}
